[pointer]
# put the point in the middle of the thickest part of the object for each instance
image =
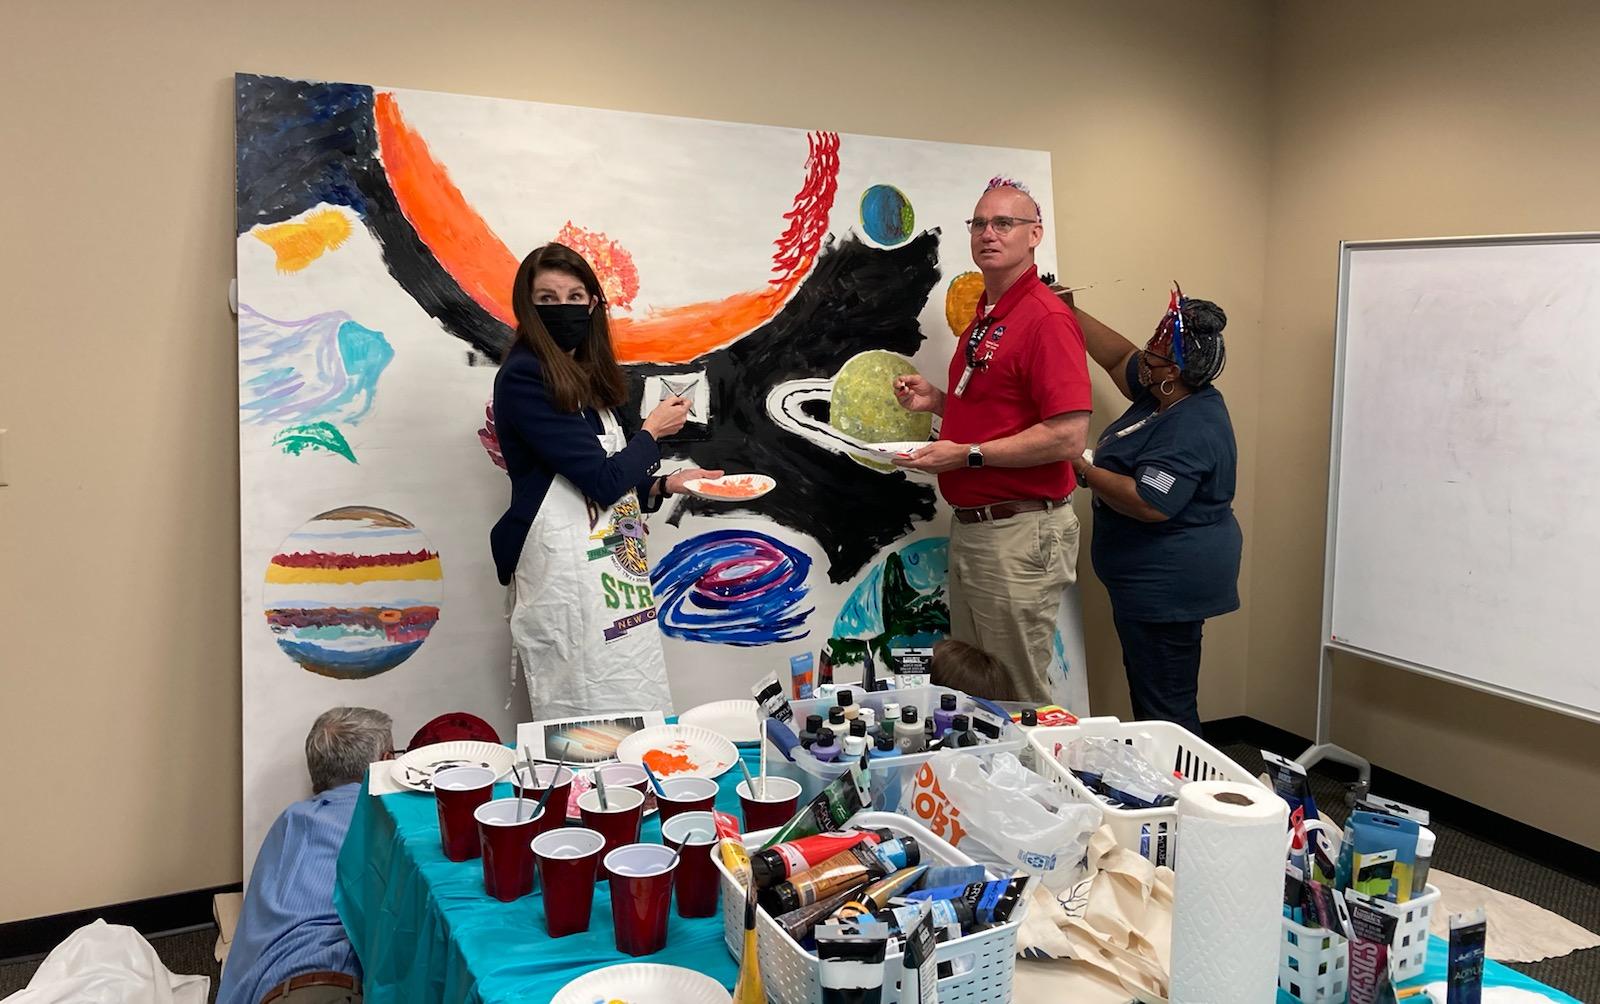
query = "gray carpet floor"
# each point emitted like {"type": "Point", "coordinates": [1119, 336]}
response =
{"type": "Point", "coordinates": [1467, 855]}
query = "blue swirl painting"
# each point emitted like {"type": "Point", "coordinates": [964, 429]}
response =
{"type": "Point", "coordinates": [732, 587]}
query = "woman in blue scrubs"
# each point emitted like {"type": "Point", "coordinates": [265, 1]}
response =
{"type": "Point", "coordinates": [1166, 543]}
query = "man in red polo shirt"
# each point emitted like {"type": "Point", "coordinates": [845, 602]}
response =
{"type": "Point", "coordinates": [1016, 412]}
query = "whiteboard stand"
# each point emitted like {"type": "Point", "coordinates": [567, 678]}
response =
{"type": "Point", "coordinates": [1518, 256]}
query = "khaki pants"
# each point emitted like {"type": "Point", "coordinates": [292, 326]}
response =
{"type": "Point", "coordinates": [1006, 581]}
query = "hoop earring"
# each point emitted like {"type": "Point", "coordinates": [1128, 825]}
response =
{"type": "Point", "coordinates": [1167, 387]}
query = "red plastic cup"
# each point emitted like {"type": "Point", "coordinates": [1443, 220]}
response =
{"type": "Point", "coordinates": [685, 794]}
{"type": "Point", "coordinates": [694, 836]}
{"type": "Point", "coordinates": [568, 857]}
{"type": "Point", "coordinates": [618, 822]}
{"type": "Point", "coordinates": [555, 810]}
{"type": "Point", "coordinates": [626, 775]}
{"type": "Point", "coordinates": [641, 896]}
{"type": "Point", "coordinates": [774, 803]}
{"type": "Point", "coordinates": [458, 791]}
{"type": "Point", "coordinates": [506, 828]}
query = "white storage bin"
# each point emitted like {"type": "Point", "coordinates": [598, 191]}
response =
{"type": "Point", "coordinates": [1313, 962]}
{"type": "Point", "coordinates": [891, 775]}
{"type": "Point", "coordinates": [1151, 833]}
{"type": "Point", "coordinates": [984, 962]}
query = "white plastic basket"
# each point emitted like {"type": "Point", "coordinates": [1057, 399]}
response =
{"type": "Point", "coordinates": [983, 962]}
{"type": "Point", "coordinates": [1152, 833]}
{"type": "Point", "coordinates": [891, 775]}
{"type": "Point", "coordinates": [1313, 962]}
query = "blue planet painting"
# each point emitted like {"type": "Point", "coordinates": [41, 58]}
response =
{"type": "Point", "coordinates": [886, 215]}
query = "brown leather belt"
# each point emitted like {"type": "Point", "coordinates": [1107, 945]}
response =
{"type": "Point", "coordinates": [320, 979]}
{"type": "Point", "coordinates": [1006, 510]}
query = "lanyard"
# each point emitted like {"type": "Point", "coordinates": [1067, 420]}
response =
{"type": "Point", "coordinates": [975, 364]}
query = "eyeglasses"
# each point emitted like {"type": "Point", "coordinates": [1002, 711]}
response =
{"type": "Point", "coordinates": [1160, 360]}
{"type": "Point", "coordinates": [1002, 224]}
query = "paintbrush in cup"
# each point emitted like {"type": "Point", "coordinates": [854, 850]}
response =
{"type": "Point", "coordinates": [600, 786]}
{"type": "Point", "coordinates": [527, 761]}
{"type": "Point", "coordinates": [554, 780]}
{"type": "Point", "coordinates": [655, 782]}
{"type": "Point", "coordinates": [749, 782]}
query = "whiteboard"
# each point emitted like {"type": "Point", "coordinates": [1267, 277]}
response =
{"type": "Point", "coordinates": [1464, 508]}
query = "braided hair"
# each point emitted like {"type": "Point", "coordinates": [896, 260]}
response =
{"type": "Point", "coordinates": [1192, 331]}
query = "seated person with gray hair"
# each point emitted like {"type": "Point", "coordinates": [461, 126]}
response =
{"type": "Point", "coordinates": [290, 947]}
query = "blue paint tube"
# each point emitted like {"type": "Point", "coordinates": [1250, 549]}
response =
{"type": "Point", "coordinates": [783, 738]}
{"type": "Point", "coordinates": [1374, 836]}
{"type": "Point", "coordinates": [991, 902]}
{"type": "Point", "coordinates": [938, 876]}
{"type": "Point", "coordinates": [1464, 982]}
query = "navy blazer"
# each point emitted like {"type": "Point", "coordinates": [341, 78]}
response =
{"type": "Point", "coordinates": [540, 441]}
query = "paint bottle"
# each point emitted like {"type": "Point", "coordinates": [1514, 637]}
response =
{"type": "Point", "coordinates": [826, 748]}
{"type": "Point", "coordinates": [908, 734]}
{"type": "Point", "coordinates": [960, 734]}
{"type": "Point", "coordinates": [855, 745]}
{"type": "Point", "coordinates": [847, 703]}
{"type": "Point", "coordinates": [870, 717]}
{"type": "Point", "coordinates": [885, 747]}
{"type": "Point", "coordinates": [1030, 721]}
{"type": "Point", "coordinates": [808, 735]}
{"type": "Point", "coordinates": [858, 728]}
{"type": "Point", "coordinates": [891, 715]}
{"type": "Point", "coordinates": [836, 719]}
{"type": "Point", "coordinates": [928, 740]}
{"type": "Point", "coordinates": [943, 717]}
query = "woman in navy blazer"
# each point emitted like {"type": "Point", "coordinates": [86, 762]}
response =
{"type": "Point", "coordinates": [571, 545]}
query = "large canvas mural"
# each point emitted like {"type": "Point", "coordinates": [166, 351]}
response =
{"type": "Point", "coordinates": [776, 277]}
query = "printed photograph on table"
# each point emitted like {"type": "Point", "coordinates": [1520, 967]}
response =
{"type": "Point", "coordinates": [584, 741]}
{"type": "Point", "coordinates": [378, 231]}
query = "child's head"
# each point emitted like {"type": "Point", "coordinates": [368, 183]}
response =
{"type": "Point", "coordinates": [970, 669]}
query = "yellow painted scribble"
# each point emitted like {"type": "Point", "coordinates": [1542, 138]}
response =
{"type": "Point", "coordinates": [961, 301]}
{"type": "Point", "coordinates": [298, 243]}
{"type": "Point", "coordinates": [284, 574]}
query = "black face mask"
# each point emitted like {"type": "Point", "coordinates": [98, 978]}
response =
{"type": "Point", "coordinates": [568, 323]}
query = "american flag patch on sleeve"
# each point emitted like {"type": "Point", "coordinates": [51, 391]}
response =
{"type": "Point", "coordinates": [1160, 480]}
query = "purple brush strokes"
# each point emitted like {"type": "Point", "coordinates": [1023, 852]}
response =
{"type": "Point", "coordinates": [325, 366]}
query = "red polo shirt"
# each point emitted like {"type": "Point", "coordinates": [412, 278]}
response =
{"type": "Point", "coordinates": [1038, 370]}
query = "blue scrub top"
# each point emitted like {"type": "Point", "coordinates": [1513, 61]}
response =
{"type": "Point", "coordinates": [1185, 463]}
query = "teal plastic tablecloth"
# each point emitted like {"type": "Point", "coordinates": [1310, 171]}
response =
{"type": "Point", "coordinates": [426, 931]}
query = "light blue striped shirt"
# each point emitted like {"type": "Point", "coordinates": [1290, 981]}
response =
{"type": "Point", "coordinates": [288, 925]}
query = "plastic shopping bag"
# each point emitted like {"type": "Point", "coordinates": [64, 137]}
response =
{"type": "Point", "coordinates": [1006, 817]}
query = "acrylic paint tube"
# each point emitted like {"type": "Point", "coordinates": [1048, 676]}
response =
{"type": "Point", "coordinates": [798, 924]}
{"type": "Point", "coordinates": [851, 967]}
{"type": "Point", "coordinates": [845, 868]}
{"type": "Point", "coordinates": [773, 864]}
{"type": "Point", "coordinates": [919, 980]}
{"type": "Point", "coordinates": [877, 895]}
{"type": "Point", "coordinates": [782, 738]}
{"type": "Point", "coordinates": [748, 988]}
{"type": "Point", "coordinates": [939, 876]}
{"type": "Point", "coordinates": [991, 902]}
{"type": "Point", "coordinates": [1320, 907]}
{"type": "Point", "coordinates": [1371, 931]}
{"type": "Point", "coordinates": [950, 919]}
{"type": "Point", "coordinates": [769, 697]}
{"type": "Point", "coordinates": [844, 796]}
{"type": "Point", "coordinates": [1464, 982]}
{"type": "Point", "coordinates": [801, 674]}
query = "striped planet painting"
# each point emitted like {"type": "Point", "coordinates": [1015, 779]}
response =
{"type": "Point", "coordinates": [353, 593]}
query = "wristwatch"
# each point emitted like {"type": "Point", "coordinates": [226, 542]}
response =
{"type": "Point", "coordinates": [975, 455]}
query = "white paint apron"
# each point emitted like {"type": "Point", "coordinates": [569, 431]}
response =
{"type": "Point", "coordinates": [583, 619]}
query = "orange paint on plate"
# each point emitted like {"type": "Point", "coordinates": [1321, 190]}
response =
{"type": "Point", "coordinates": [733, 488]}
{"type": "Point", "coordinates": [664, 763]}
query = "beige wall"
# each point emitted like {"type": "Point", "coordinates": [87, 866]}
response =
{"type": "Point", "coordinates": [118, 534]}
{"type": "Point", "coordinates": [1407, 120]}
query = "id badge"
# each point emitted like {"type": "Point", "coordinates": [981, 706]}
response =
{"type": "Point", "coordinates": [966, 378]}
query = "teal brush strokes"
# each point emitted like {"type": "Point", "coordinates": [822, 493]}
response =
{"type": "Point", "coordinates": [296, 439]}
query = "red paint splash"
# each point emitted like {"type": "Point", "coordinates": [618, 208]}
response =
{"type": "Point", "coordinates": [321, 559]}
{"type": "Point", "coordinates": [612, 263]}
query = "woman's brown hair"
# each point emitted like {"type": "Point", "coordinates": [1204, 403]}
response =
{"type": "Point", "coordinates": [590, 377]}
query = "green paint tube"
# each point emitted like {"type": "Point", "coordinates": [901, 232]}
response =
{"type": "Point", "coordinates": [833, 807]}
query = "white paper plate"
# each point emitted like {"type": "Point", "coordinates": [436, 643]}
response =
{"type": "Point", "coordinates": [757, 485]}
{"type": "Point", "coordinates": [890, 451]}
{"type": "Point", "coordinates": [734, 720]}
{"type": "Point", "coordinates": [414, 768]}
{"type": "Point", "coordinates": [642, 983]}
{"type": "Point", "coordinates": [707, 753]}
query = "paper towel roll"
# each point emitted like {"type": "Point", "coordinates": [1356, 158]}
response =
{"type": "Point", "coordinates": [1228, 902]}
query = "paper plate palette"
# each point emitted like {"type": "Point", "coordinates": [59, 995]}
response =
{"type": "Point", "coordinates": [680, 751]}
{"type": "Point", "coordinates": [890, 451]}
{"type": "Point", "coordinates": [415, 768]}
{"type": "Point", "coordinates": [639, 983]}
{"type": "Point", "coordinates": [734, 720]}
{"type": "Point", "coordinates": [730, 487]}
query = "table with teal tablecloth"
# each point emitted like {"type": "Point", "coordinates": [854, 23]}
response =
{"type": "Point", "coordinates": [425, 930]}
